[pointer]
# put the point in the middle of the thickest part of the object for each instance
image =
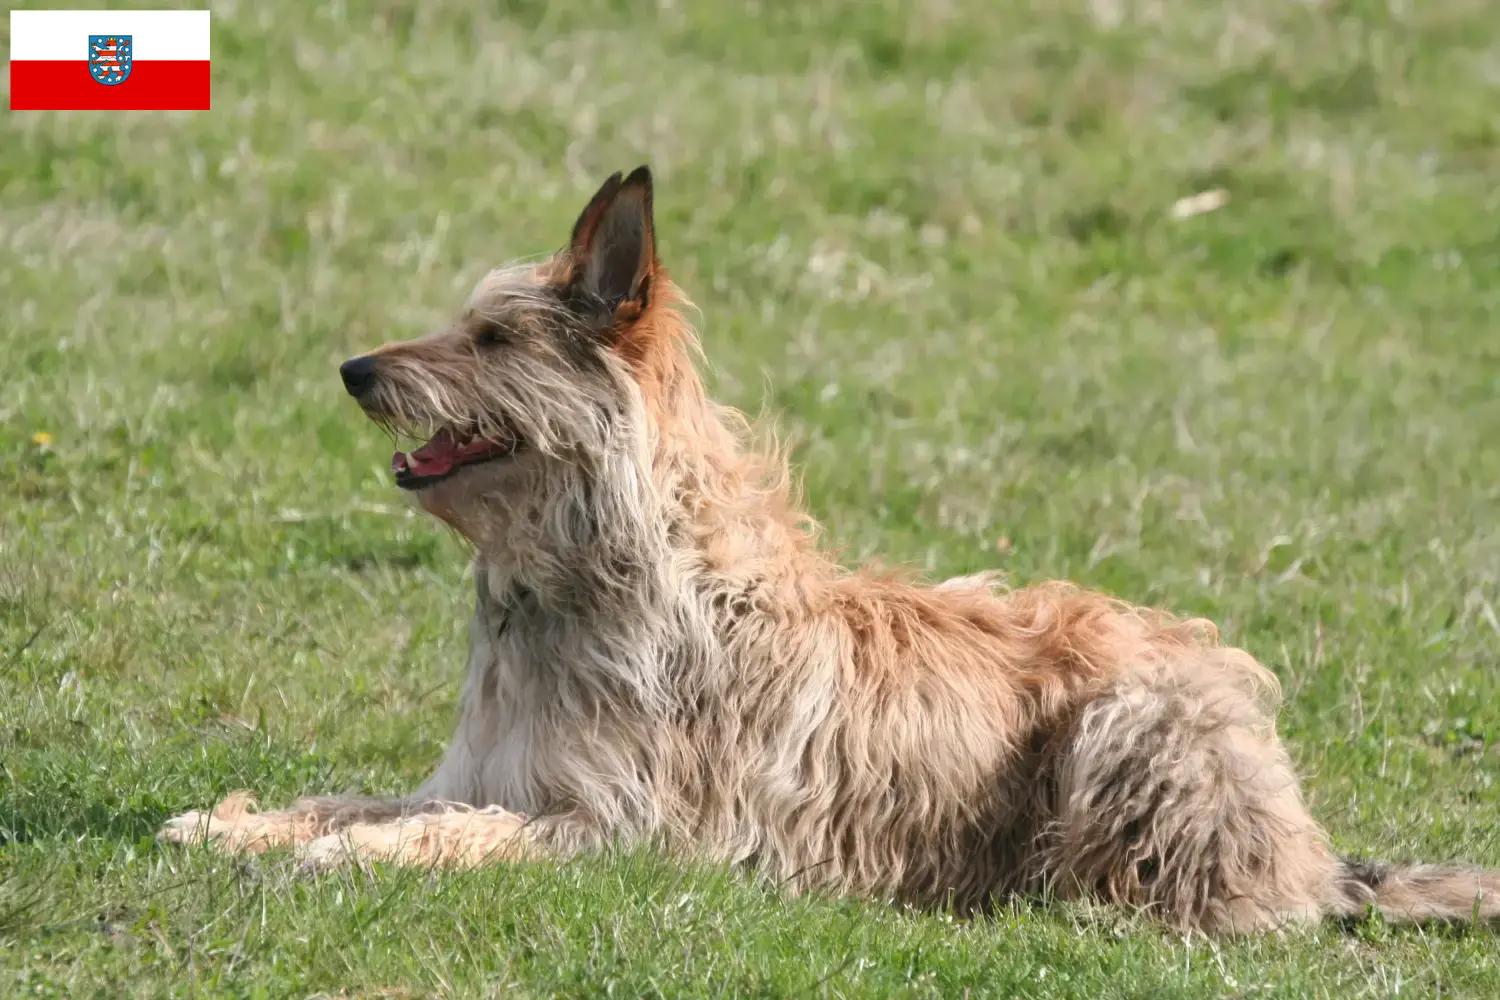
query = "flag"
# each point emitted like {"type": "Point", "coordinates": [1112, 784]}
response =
{"type": "Point", "coordinates": [150, 60]}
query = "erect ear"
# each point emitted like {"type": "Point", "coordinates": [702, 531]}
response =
{"type": "Point", "coordinates": [614, 243]}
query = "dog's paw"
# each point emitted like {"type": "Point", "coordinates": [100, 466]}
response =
{"type": "Point", "coordinates": [198, 827]}
{"type": "Point", "coordinates": [189, 828]}
{"type": "Point", "coordinates": [234, 827]}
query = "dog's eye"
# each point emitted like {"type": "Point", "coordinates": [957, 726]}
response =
{"type": "Point", "coordinates": [489, 335]}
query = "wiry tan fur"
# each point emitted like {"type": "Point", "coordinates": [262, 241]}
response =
{"type": "Point", "coordinates": [660, 652]}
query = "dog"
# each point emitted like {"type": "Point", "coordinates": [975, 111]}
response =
{"type": "Point", "coordinates": [660, 654]}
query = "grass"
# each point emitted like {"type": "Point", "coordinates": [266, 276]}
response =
{"type": "Point", "coordinates": [939, 233]}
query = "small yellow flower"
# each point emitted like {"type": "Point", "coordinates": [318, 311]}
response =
{"type": "Point", "coordinates": [41, 439]}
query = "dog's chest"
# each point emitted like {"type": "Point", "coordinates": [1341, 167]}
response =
{"type": "Point", "coordinates": [534, 732]}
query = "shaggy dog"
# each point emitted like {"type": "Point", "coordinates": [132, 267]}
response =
{"type": "Point", "coordinates": [659, 652]}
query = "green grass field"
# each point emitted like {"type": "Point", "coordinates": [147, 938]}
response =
{"type": "Point", "coordinates": [936, 240]}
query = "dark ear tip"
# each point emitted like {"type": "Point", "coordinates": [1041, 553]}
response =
{"type": "Point", "coordinates": [640, 175]}
{"type": "Point", "coordinates": [609, 187]}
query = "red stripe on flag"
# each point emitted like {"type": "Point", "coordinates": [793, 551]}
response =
{"type": "Point", "coordinates": [67, 85]}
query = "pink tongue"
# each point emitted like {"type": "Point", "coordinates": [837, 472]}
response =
{"type": "Point", "coordinates": [435, 458]}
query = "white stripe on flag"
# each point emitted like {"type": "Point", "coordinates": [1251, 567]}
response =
{"type": "Point", "coordinates": [64, 34]}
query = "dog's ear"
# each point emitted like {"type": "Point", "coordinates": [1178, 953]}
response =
{"type": "Point", "coordinates": [614, 246]}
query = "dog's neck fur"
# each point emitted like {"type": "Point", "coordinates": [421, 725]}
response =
{"type": "Point", "coordinates": [626, 592]}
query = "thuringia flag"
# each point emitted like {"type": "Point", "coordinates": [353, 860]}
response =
{"type": "Point", "coordinates": [82, 60]}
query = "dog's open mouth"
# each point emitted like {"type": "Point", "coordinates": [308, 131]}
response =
{"type": "Point", "coordinates": [446, 453]}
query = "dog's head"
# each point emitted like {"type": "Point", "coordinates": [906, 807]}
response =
{"type": "Point", "coordinates": [535, 370]}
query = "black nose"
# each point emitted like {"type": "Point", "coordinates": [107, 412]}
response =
{"type": "Point", "coordinates": [358, 375]}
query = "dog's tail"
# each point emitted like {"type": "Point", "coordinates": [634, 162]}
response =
{"type": "Point", "coordinates": [1417, 893]}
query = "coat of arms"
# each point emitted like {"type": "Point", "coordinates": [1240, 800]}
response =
{"type": "Point", "coordinates": [109, 58]}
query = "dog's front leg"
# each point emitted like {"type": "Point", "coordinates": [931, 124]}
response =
{"type": "Point", "coordinates": [459, 837]}
{"type": "Point", "coordinates": [456, 836]}
{"type": "Point", "coordinates": [236, 826]}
